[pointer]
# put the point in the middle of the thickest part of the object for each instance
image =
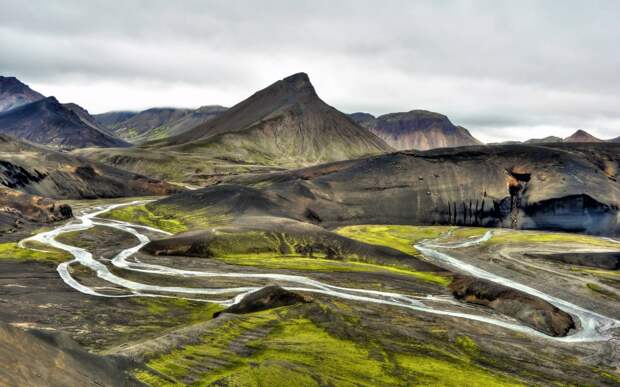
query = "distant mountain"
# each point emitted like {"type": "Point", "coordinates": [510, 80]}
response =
{"type": "Point", "coordinates": [285, 122]}
{"type": "Point", "coordinates": [545, 140]}
{"type": "Point", "coordinates": [112, 119]}
{"type": "Point", "coordinates": [14, 93]}
{"type": "Point", "coordinates": [616, 140]}
{"type": "Point", "coordinates": [183, 124]}
{"type": "Point", "coordinates": [582, 136]}
{"type": "Point", "coordinates": [137, 124]}
{"type": "Point", "coordinates": [48, 122]}
{"type": "Point", "coordinates": [417, 129]}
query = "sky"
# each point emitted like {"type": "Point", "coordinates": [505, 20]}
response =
{"type": "Point", "coordinates": [506, 70]}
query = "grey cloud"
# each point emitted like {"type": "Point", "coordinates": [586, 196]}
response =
{"type": "Point", "coordinates": [487, 64]}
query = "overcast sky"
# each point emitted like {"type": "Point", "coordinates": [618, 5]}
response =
{"type": "Point", "coordinates": [503, 69]}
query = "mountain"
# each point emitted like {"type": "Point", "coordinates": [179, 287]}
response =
{"type": "Point", "coordinates": [285, 125]}
{"type": "Point", "coordinates": [569, 187]}
{"type": "Point", "coordinates": [182, 124]}
{"type": "Point", "coordinates": [582, 136]}
{"type": "Point", "coordinates": [417, 129]}
{"type": "Point", "coordinates": [139, 123]}
{"type": "Point", "coordinates": [112, 119]}
{"type": "Point", "coordinates": [48, 122]}
{"type": "Point", "coordinates": [14, 93]}
{"type": "Point", "coordinates": [545, 140]}
{"type": "Point", "coordinates": [285, 122]}
{"type": "Point", "coordinates": [616, 140]}
{"type": "Point", "coordinates": [86, 118]}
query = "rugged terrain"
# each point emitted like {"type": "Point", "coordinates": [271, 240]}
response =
{"type": "Point", "coordinates": [417, 129]}
{"type": "Point", "coordinates": [565, 187]}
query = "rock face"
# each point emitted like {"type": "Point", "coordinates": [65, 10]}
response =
{"type": "Point", "coordinates": [285, 121]}
{"type": "Point", "coordinates": [14, 93]}
{"type": "Point", "coordinates": [582, 136]}
{"type": "Point", "coordinates": [570, 187]}
{"type": "Point", "coordinates": [48, 122]}
{"type": "Point", "coordinates": [36, 358]}
{"type": "Point", "coordinates": [18, 208]}
{"type": "Point", "coordinates": [417, 129]}
{"type": "Point", "coordinates": [268, 297]}
{"type": "Point", "coordinates": [536, 313]}
{"type": "Point", "coordinates": [39, 171]}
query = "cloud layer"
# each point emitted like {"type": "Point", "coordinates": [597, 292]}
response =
{"type": "Point", "coordinates": [504, 69]}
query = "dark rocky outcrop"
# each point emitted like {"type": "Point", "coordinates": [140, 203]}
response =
{"type": "Point", "coordinates": [534, 312]}
{"type": "Point", "coordinates": [18, 209]}
{"type": "Point", "coordinates": [416, 129]}
{"type": "Point", "coordinates": [268, 297]}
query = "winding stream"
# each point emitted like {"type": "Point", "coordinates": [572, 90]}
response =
{"type": "Point", "coordinates": [594, 327]}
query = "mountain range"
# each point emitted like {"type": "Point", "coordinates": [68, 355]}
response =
{"type": "Point", "coordinates": [285, 125]}
{"type": "Point", "coordinates": [156, 123]}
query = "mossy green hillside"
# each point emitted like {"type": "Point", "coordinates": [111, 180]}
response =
{"type": "Point", "coordinates": [298, 262]}
{"type": "Point", "coordinates": [395, 236]}
{"type": "Point", "coordinates": [541, 237]}
{"type": "Point", "coordinates": [295, 348]}
{"type": "Point", "coordinates": [308, 252]}
{"type": "Point", "coordinates": [167, 218]}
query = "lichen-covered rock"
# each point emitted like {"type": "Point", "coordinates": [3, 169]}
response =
{"type": "Point", "coordinates": [535, 312]}
{"type": "Point", "coordinates": [268, 297]}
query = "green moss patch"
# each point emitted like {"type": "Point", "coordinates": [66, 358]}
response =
{"type": "Point", "coordinates": [397, 237]}
{"type": "Point", "coordinates": [11, 251]}
{"type": "Point", "coordinates": [273, 348]}
{"type": "Point", "coordinates": [298, 262]}
{"type": "Point", "coordinates": [141, 214]}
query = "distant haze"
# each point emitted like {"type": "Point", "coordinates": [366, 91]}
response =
{"type": "Point", "coordinates": [503, 69]}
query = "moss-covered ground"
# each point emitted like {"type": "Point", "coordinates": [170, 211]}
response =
{"type": "Point", "coordinates": [11, 251]}
{"type": "Point", "coordinates": [295, 346]}
{"type": "Point", "coordinates": [165, 218]}
{"type": "Point", "coordinates": [298, 262]}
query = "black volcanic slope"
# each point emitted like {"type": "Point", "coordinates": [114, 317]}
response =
{"type": "Point", "coordinates": [14, 93]}
{"type": "Point", "coordinates": [286, 120]}
{"type": "Point", "coordinates": [570, 187]}
{"type": "Point", "coordinates": [417, 129]}
{"type": "Point", "coordinates": [48, 122]}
